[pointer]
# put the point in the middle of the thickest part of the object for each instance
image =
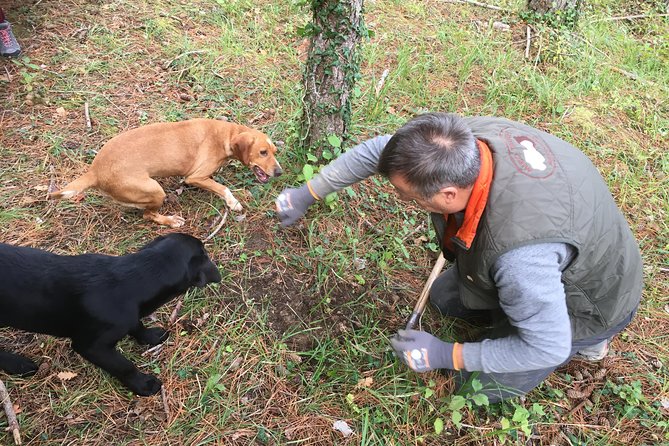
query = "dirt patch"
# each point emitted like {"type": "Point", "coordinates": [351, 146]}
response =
{"type": "Point", "coordinates": [299, 307]}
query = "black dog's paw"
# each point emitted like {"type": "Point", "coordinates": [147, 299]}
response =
{"type": "Point", "coordinates": [144, 385]}
{"type": "Point", "coordinates": [152, 336]}
{"type": "Point", "coordinates": [18, 365]}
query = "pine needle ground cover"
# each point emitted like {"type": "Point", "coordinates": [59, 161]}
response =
{"type": "Point", "coordinates": [295, 338]}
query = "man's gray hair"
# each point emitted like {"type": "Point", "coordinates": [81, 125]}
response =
{"type": "Point", "coordinates": [432, 151]}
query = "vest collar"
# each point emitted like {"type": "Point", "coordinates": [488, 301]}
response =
{"type": "Point", "coordinates": [464, 236]}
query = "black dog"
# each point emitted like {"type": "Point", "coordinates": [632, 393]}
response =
{"type": "Point", "coordinates": [96, 300]}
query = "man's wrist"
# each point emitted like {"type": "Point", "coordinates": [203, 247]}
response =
{"type": "Point", "coordinates": [458, 360]}
{"type": "Point", "coordinates": [312, 192]}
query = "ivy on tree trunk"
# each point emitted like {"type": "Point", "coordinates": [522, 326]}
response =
{"type": "Point", "coordinates": [333, 66]}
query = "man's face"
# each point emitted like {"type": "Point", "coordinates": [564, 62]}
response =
{"type": "Point", "coordinates": [447, 201]}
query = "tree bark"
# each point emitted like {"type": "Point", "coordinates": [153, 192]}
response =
{"type": "Point", "coordinates": [331, 71]}
{"type": "Point", "coordinates": [545, 6]}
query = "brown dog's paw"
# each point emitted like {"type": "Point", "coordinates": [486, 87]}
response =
{"type": "Point", "coordinates": [174, 221]}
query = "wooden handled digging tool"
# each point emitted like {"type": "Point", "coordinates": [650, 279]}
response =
{"type": "Point", "coordinates": [422, 299]}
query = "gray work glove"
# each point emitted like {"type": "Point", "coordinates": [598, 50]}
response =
{"type": "Point", "coordinates": [291, 204]}
{"type": "Point", "coordinates": [421, 351]}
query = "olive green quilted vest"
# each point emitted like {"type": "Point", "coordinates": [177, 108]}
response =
{"type": "Point", "coordinates": [545, 190]}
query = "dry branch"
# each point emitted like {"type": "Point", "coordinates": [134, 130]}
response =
{"type": "Point", "coordinates": [52, 182]}
{"type": "Point", "coordinates": [475, 3]}
{"type": "Point", "coordinates": [628, 17]}
{"type": "Point", "coordinates": [12, 424]}
{"type": "Point", "coordinates": [166, 407]}
{"type": "Point", "coordinates": [379, 85]}
{"type": "Point", "coordinates": [175, 312]}
{"type": "Point", "coordinates": [218, 228]}
{"type": "Point", "coordinates": [631, 75]}
{"type": "Point", "coordinates": [87, 115]}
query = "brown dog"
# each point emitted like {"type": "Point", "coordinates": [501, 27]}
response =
{"type": "Point", "coordinates": [125, 166]}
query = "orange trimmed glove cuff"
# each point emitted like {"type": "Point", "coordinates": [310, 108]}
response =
{"type": "Point", "coordinates": [423, 352]}
{"type": "Point", "coordinates": [292, 204]}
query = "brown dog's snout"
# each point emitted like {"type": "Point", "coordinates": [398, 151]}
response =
{"type": "Point", "coordinates": [278, 171]}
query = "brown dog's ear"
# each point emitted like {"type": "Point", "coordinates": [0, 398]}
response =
{"type": "Point", "coordinates": [241, 146]}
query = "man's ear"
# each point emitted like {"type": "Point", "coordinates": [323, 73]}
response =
{"type": "Point", "coordinates": [449, 194]}
{"type": "Point", "coordinates": [241, 146]}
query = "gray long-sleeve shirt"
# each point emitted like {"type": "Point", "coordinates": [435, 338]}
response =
{"type": "Point", "coordinates": [528, 281]}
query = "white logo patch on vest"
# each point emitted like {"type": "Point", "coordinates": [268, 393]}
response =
{"type": "Point", "coordinates": [529, 153]}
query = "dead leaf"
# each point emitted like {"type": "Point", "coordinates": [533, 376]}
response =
{"type": "Point", "coordinates": [420, 240]}
{"type": "Point", "coordinates": [366, 382]}
{"type": "Point", "coordinates": [202, 320]}
{"type": "Point", "coordinates": [66, 376]}
{"type": "Point", "coordinates": [236, 363]}
{"type": "Point", "coordinates": [60, 111]}
{"type": "Point", "coordinates": [41, 187]}
{"type": "Point", "coordinates": [294, 357]}
{"type": "Point", "coordinates": [242, 433]}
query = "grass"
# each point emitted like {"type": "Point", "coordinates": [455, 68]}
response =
{"type": "Point", "coordinates": [296, 337]}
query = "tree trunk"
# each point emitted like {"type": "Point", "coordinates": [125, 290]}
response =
{"type": "Point", "coordinates": [332, 70]}
{"type": "Point", "coordinates": [546, 6]}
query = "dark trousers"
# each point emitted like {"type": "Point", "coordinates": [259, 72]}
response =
{"type": "Point", "coordinates": [445, 296]}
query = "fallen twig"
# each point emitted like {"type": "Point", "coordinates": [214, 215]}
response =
{"type": "Point", "coordinates": [52, 181]}
{"type": "Point", "coordinates": [218, 228]}
{"type": "Point", "coordinates": [87, 114]}
{"type": "Point", "coordinates": [413, 232]}
{"type": "Point", "coordinates": [631, 75]}
{"type": "Point", "coordinates": [166, 407]}
{"type": "Point", "coordinates": [527, 43]}
{"type": "Point", "coordinates": [475, 3]}
{"type": "Point", "coordinates": [582, 425]}
{"type": "Point", "coordinates": [613, 67]}
{"type": "Point", "coordinates": [175, 312]}
{"type": "Point", "coordinates": [372, 227]}
{"type": "Point", "coordinates": [154, 351]}
{"type": "Point", "coordinates": [382, 81]}
{"type": "Point", "coordinates": [12, 424]}
{"type": "Point", "coordinates": [575, 409]}
{"type": "Point", "coordinates": [628, 17]}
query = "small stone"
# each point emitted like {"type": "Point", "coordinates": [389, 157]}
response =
{"type": "Point", "coordinates": [501, 26]}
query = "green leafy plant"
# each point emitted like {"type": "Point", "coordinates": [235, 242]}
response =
{"type": "Point", "coordinates": [29, 71]}
{"type": "Point", "coordinates": [469, 400]}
